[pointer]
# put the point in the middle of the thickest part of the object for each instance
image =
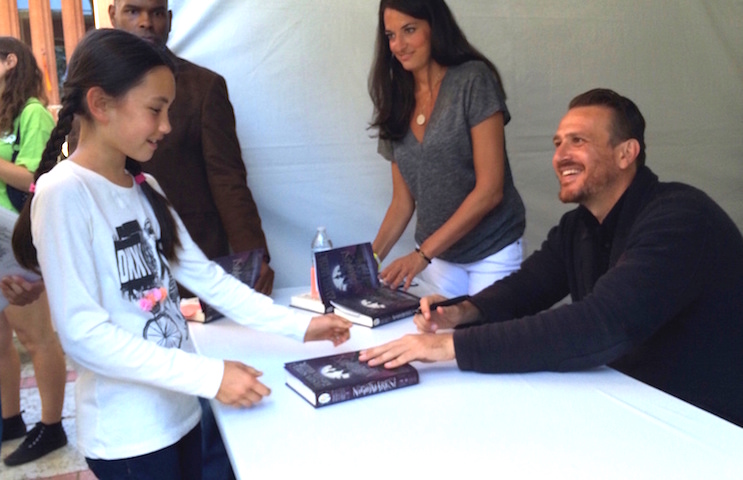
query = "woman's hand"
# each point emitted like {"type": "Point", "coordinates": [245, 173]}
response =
{"type": "Point", "coordinates": [328, 327]}
{"type": "Point", "coordinates": [19, 291]}
{"type": "Point", "coordinates": [403, 270]}
{"type": "Point", "coordinates": [240, 386]}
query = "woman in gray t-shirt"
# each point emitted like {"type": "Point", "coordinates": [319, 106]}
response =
{"type": "Point", "coordinates": [440, 111]}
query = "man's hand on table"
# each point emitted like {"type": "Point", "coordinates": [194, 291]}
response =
{"type": "Point", "coordinates": [428, 346]}
{"type": "Point", "coordinates": [424, 347]}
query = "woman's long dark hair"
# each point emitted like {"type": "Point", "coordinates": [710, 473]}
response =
{"type": "Point", "coordinates": [115, 61]}
{"type": "Point", "coordinates": [21, 82]}
{"type": "Point", "coordinates": [391, 87]}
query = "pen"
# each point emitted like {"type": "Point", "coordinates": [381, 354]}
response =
{"type": "Point", "coordinates": [445, 303]}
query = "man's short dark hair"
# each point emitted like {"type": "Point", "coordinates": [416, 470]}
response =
{"type": "Point", "coordinates": [627, 121]}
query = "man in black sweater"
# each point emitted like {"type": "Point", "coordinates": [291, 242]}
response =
{"type": "Point", "coordinates": [654, 271]}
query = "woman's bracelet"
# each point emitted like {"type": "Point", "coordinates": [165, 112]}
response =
{"type": "Point", "coordinates": [423, 255]}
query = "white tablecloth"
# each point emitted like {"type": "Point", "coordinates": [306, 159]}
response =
{"type": "Point", "coordinates": [596, 424]}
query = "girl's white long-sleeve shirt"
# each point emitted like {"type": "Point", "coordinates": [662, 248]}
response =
{"type": "Point", "coordinates": [115, 305]}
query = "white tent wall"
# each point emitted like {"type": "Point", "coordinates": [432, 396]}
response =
{"type": "Point", "coordinates": [297, 75]}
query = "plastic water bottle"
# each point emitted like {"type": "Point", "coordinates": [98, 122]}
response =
{"type": "Point", "coordinates": [320, 243]}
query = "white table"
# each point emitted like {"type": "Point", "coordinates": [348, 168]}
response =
{"type": "Point", "coordinates": [597, 424]}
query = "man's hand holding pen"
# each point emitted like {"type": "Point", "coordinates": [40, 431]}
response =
{"type": "Point", "coordinates": [437, 312]}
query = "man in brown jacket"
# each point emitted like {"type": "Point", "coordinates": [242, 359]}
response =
{"type": "Point", "coordinates": [199, 164]}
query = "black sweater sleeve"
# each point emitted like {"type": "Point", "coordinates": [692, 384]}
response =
{"type": "Point", "coordinates": [656, 276]}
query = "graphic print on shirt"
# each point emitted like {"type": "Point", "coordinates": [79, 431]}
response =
{"type": "Point", "coordinates": [143, 273]}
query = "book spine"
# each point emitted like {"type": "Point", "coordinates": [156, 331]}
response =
{"type": "Point", "coordinates": [210, 313]}
{"type": "Point", "coordinates": [395, 316]}
{"type": "Point", "coordinates": [403, 379]}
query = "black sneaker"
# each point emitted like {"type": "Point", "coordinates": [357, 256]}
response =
{"type": "Point", "coordinates": [42, 439]}
{"type": "Point", "coordinates": [14, 427]}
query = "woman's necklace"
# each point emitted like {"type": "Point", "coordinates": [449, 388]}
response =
{"type": "Point", "coordinates": [421, 118]}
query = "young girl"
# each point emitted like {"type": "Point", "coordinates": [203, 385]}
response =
{"type": "Point", "coordinates": [110, 251]}
{"type": "Point", "coordinates": [25, 125]}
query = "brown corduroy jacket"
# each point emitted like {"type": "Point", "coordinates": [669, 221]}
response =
{"type": "Point", "coordinates": [199, 166]}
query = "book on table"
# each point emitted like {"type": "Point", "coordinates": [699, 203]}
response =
{"type": "Point", "coordinates": [332, 379]}
{"type": "Point", "coordinates": [347, 279]}
{"type": "Point", "coordinates": [8, 263]}
{"type": "Point", "coordinates": [245, 266]}
{"type": "Point", "coordinates": [306, 301]}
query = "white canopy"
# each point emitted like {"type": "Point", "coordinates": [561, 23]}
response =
{"type": "Point", "coordinates": [297, 73]}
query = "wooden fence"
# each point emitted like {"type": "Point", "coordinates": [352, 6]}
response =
{"type": "Point", "coordinates": [38, 30]}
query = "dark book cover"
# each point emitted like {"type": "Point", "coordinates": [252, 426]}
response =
{"type": "Point", "coordinates": [245, 266]}
{"type": "Point", "coordinates": [348, 280]}
{"type": "Point", "coordinates": [327, 380]}
{"type": "Point", "coordinates": [377, 307]}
